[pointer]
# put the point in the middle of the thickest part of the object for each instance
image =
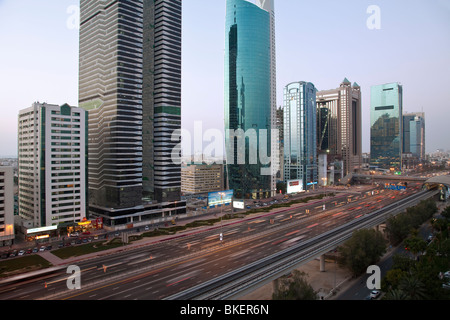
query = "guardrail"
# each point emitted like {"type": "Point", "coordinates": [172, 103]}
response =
{"type": "Point", "coordinates": [233, 284]}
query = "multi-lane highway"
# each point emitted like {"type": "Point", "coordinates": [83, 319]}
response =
{"type": "Point", "coordinates": [161, 269]}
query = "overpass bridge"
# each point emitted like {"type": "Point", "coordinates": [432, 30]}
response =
{"type": "Point", "coordinates": [380, 177]}
{"type": "Point", "coordinates": [250, 277]}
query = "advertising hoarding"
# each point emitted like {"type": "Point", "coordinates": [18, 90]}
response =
{"type": "Point", "coordinates": [220, 198]}
{"type": "Point", "coordinates": [294, 186]}
{"type": "Point", "coordinates": [239, 205]}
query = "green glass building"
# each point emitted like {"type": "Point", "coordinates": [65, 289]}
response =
{"type": "Point", "coordinates": [386, 123]}
{"type": "Point", "coordinates": [249, 83]}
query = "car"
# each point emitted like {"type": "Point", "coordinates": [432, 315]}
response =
{"type": "Point", "coordinates": [41, 249]}
{"type": "Point", "coordinates": [35, 250]}
{"type": "Point", "coordinates": [374, 294]}
{"type": "Point", "coordinates": [146, 228]}
{"type": "Point", "coordinates": [29, 251]}
{"type": "Point", "coordinates": [13, 254]}
{"type": "Point", "coordinates": [48, 248]}
{"type": "Point", "coordinates": [21, 252]}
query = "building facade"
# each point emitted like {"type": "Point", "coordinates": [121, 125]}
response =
{"type": "Point", "coordinates": [339, 126]}
{"type": "Point", "coordinates": [52, 158]}
{"type": "Point", "coordinates": [414, 135]}
{"type": "Point", "coordinates": [250, 99]}
{"type": "Point", "coordinates": [386, 122]}
{"type": "Point", "coordinates": [130, 82]}
{"type": "Point", "coordinates": [300, 134]}
{"type": "Point", "coordinates": [6, 206]}
{"type": "Point", "coordinates": [202, 178]}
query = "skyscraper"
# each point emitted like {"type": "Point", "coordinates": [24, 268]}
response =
{"type": "Point", "coordinates": [414, 134]}
{"type": "Point", "coordinates": [386, 122]}
{"type": "Point", "coordinates": [339, 125]}
{"type": "Point", "coordinates": [250, 97]}
{"type": "Point", "coordinates": [300, 134]}
{"type": "Point", "coordinates": [52, 164]}
{"type": "Point", "coordinates": [130, 82]}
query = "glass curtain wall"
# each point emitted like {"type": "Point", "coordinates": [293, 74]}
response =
{"type": "Point", "coordinates": [247, 97]}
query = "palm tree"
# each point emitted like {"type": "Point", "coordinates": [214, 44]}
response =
{"type": "Point", "coordinates": [395, 294]}
{"type": "Point", "coordinates": [413, 288]}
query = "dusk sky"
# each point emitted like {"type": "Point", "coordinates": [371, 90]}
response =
{"type": "Point", "coordinates": [320, 41]}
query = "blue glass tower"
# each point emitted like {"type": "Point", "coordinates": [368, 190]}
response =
{"type": "Point", "coordinates": [300, 134]}
{"type": "Point", "coordinates": [249, 69]}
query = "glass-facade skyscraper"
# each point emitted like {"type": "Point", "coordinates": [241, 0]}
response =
{"type": "Point", "coordinates": [300, 134]}
{"type": "Point", "coordinates": [250, 97]}
{"type": "Point", "coordinates": [130, 82]}
{"type": "Point", "coordinates": [414, 135]}
{"type": "Point", "coordinates": [386, 122]}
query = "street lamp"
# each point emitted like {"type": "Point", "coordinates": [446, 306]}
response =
{"type": "Point", "coordinates": [221, 213]}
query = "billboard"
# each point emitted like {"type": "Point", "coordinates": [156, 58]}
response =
{"type": "Point", "coordinates": [220, 198]}
{"type": "Point", "coordinates": [239, 205]}
{"type": "Point", "coordinates": [294, 186]}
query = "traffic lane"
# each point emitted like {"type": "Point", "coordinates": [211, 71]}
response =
{"type": "Point", "coordinates": [280, 216]}
{"type": "Point", "coordinates": [218, 263]}
{"type": "Point", "coordinates": [277, 241]}
{"type": "Point", "coordinates": [212, 237]}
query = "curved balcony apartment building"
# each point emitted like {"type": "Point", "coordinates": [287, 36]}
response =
{"type": "Point", "coordinates": [250, 98]}
{"type": "Point", "coordinates": [130, 82]}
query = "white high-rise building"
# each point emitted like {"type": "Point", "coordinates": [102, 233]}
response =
{"type": "Point", "coordinates": [6, 206]}
{"type": "Point", "coordinates": [52, 164]}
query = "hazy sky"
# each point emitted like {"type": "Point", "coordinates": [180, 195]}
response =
{"type": "Point", "coordinates": [317, 41]}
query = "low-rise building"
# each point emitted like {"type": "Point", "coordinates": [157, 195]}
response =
{"type": "Point", "coordinates": [202, 178]}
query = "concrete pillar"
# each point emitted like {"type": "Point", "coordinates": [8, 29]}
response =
{"type": "Point", "coordinates": [322, 263]}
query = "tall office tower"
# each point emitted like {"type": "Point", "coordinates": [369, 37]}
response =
{"type": "Point", "coordinates": [130, 82]}
{"type": "Point", "coordinates": [52, 164]}
{"type": "Point", "coordinates": [6, 206]}
{"type": "Point", "coordinates": [386, 122]}
{"type": "Point", "coordinates": [339, 126]}
{"type": "Point", "coordinates": [414, 135]}
{"type": "Point", "coordinates": [250, 98]}
{"type": "Point", "coordinates": [300, 134]}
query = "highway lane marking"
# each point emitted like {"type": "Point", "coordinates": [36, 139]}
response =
{"type": "Point", "coordinates": [292, 233]}
{"type": "Point", "coordinates": [176, 282]}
